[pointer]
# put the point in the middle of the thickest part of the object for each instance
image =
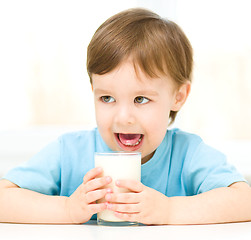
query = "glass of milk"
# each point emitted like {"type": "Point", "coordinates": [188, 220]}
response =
{"type": "Point", "coordinates": [117, 165]}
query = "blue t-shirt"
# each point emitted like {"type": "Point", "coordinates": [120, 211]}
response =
{"type": "Point", "coordinates": [183, 165]}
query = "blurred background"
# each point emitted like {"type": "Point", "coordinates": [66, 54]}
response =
{"type": "Point", "coordinates": [45, 90]}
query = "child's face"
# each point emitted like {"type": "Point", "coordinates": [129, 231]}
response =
{"type": "Point", "coordinates": [132, 111]}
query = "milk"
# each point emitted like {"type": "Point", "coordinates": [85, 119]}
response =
{"type": "Point", "coordinates": [117, 165]}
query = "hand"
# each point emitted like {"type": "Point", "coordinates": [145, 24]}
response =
{"type": "Point", "coordinates": [81, 205]}
{"type": "Point", "coordinates": [141, 204]}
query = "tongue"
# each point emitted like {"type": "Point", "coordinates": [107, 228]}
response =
{"type": "Point", "coordinates": [129, 139]}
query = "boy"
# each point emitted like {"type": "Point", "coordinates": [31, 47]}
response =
{"type": "Point", "coordinates": [140, 70]}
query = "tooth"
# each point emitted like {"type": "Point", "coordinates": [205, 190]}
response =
{"type": "Point", "coordinates": [137, 143]}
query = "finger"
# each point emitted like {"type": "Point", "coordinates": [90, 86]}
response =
{"type": "Point", "coordinates": [92, 174]}
{"type": "Point", "coordinates": [123, 208]}
{"type": "Point", "coordinates": [122, 197]}
{"type": "Point", "coordinates": [97, 183]}
{"type": "Point", "coordinates": [132, 185]}
{"type": "Point", "coordinates": [130, 217]}
{"type": "Point", "coordinates": [96, 207]}
{"type": "Point", "coordinates": [93, 196]}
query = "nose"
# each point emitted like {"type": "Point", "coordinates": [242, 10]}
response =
{"type": "Point", "coordinates": [124, 115]}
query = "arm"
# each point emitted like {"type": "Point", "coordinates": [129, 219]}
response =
{"type": "Point", "coordinates": [25, 206]}
{"type": "Point", "coordinates": [221, 205]}
{"type": "Point", "coordinates": [146, 205]}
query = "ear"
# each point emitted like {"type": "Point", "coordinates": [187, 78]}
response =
{"type": "Point", "coordinates": [181, 96]}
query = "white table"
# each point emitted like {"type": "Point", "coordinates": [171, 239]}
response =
{"type": "Point", "coordinates": [236, 231]}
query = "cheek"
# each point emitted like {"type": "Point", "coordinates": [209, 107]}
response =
{"type": "Point", "coordinates": [100, 118]}
{"type": "Point", "coordinates": [103, 121]}
{"type": "Point", "coordinates": [156, 125]}
{"type": "Point", "coordinates": [158, 117]}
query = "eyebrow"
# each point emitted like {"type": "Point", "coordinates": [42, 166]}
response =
{"type": "Point", "coordinates": [147, 92]}
{"type": "Point", "coordinates": [99, 91]}
{"type": "Point", "coordinates": [138, 93]}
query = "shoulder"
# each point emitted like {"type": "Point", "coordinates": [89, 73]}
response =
{"type": "Point", "coordinates": [191, 144]}
{"type": "Point", "coordinates": [78, 135]}
{"type": "Point", "coordinates": [183, 139]}
{"type": "Point", "coordinates": [191, 148]}
{"type": "Point", "coordinates": [76, 138]}
{"type": "Point", "coordinates": [88, 140]}
{"type": "Point", "coordinates": [78, 141]}
{"type": "Point", "coordinates": [182, 135]}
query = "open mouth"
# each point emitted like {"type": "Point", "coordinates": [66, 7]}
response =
{"type": "Point", "coordinates": [129, 140]}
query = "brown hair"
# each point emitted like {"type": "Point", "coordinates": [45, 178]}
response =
{"type": "Point", "coordinates": [158, 46]}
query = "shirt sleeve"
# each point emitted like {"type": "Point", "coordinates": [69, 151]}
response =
{"type": "Point", "coordinates": [208, 169]}
{"type": "Point", "coordinates": [41, 173]}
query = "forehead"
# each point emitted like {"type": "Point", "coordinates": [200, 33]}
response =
{"type": "Point", "coordinates": [131, 67]}
{"type": "Point", "coordinates": [130, 76]}
{"type": "Point", "coordinates": [126, 71]}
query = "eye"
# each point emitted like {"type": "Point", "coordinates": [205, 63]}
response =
{"type": "Point", "coordinates": [107, 99]}
{"type": "Point", "coordinates": [141, 100]}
